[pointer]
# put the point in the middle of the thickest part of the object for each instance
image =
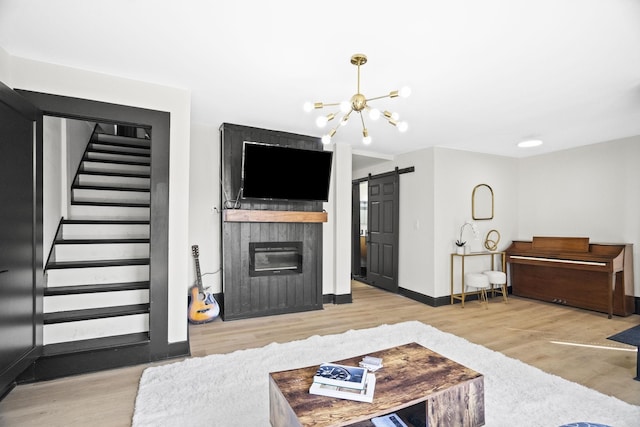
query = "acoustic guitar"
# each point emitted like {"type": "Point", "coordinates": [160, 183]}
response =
{"type": "Point", "coordinates": [203, 307]}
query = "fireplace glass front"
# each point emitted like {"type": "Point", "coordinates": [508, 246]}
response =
{"type": "Point", "coordinates": [272, 258]}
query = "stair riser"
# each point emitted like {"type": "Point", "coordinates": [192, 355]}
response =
{"type": "Point", "coordinates": [95, 328]}
{"type": "Point", "coordinates": [113, 181]}
{"type": "Point", "coordinates": [97, 275]}
{"type": "Point", "coordinates": [114, 167]}
{"type": "Point", "coordinates": [105, 231]}
{"type": "Point", "coordinates": [102, 137]}
{"type": "Point", "coordinates": [96, 156]}
{"type": "Point", "coordinates": [119, 148]}
{"type": "Point", "coordinates": [108, 212]}
{"type": "Point", "coordinates": [57, 303]}
{"type": "Point", "coordinates": [92, 195]}
{"type": "Point", "coordinates": [100, 251]}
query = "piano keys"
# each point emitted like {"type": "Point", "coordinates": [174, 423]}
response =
{"type": "Point", "coordinates": [574, 272]}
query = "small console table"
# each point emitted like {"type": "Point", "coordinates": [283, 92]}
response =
{"type": "Point", "coordinates": [460, 296]}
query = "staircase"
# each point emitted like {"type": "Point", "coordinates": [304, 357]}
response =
{"type": "Point", "coordinates": [96, 298]}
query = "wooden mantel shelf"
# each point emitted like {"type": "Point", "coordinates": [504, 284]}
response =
{"type": "Point", "coordinates": [244, 215]}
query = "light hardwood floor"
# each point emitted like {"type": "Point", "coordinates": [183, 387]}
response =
{"type": "Point", "coordinates": [563, 341]}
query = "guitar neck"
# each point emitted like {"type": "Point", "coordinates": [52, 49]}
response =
{"type": "Point", "coordinates": [198, 276]}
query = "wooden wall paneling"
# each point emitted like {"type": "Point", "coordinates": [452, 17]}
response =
{"type": "Point", "coordinates": [285, 298]}
{"type": "Point", "coordinates": [297, 291]}
{"type": "Point", "coordinates": [262, 282]}
{"type": "Point", "coordinates": [243, 265]}
{"type": "Point", "coordinates": [246, 296]}
{"type": "Point", "coordinates": [309, 258]}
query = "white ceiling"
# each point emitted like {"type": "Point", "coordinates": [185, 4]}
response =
{"type": "Point", "coordinates": [484, 74]}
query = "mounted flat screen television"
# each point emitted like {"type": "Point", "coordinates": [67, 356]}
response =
{"type": "Point", "coordinates": [273, 172]}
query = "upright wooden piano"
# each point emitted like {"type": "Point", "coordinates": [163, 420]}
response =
{"type": "Point", "coordinates": [571, 271]}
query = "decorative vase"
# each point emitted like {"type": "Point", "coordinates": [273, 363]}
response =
{"type": "Point", "coordinates": [460, 250]}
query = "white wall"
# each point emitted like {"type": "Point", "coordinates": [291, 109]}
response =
{"type": "Point", "coordinates": [591, 191]}
{"type": "Point", "coordinates": [54, 79]}
{"type": "Point", "coordinates": [5, 67]}
{"type": "Point", "coordinates": [435, 201]}
{"type": "Point", "coordinates": [54, 130]}
{"type": "Point", "coordinates": [336, 249]}
{"type": "Point", "coordinates": [456, 175]}
{"type": "Point", "coordinates": [78, 135]}
{"type": "Point", "coordinates": [204, 204]}
{"type": "Point", "coordinates": [416, 248]}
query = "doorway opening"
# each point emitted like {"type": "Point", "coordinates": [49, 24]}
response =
{"type": "Point", "coordinates": [363, 209]}
{"type": "Point", "coordinates": [375, 208]}
{"type": "Point", "coordinates": [375, 229]}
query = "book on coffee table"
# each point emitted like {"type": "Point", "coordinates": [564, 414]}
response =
{"type": "Point", "coordinates": [390, 420]}
{"type": "Point", "coordinates": [341, 375]}
{"type": "Point", "coordinates": [364, 395]}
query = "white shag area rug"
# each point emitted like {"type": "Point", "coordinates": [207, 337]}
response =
{"type": "Point", "coordinates": [230, 390]}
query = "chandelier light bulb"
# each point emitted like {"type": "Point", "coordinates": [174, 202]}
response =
{"type": "Point", "coordinates": [395, 116]}
{"type": "Point", "coordinates": [327, 138]}
{"type": "Point", "coordinates": [345, 106]}
{"type": "Point", "coordinates": [374, 114]}
{"type": "Point", "coordinates": [321, 121]}
{"type": "Point", "coordinates": [404, 92]}
{"type": "Point", "coordinates": [307, 107]}
{"type": "Point", "coordinates": [366, 139]}
{"type": "Point", "coordinates": [403, 126]}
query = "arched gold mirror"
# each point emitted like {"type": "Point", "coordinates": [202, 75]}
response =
{"type": "Point", "coordinates": [482, 202]}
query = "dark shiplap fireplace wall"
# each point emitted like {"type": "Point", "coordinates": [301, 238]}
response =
{"type": "Point", "coordinates": [251, 295]}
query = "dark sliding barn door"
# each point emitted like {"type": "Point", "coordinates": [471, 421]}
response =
{"type": "Point", "coordinates": [382, 237]}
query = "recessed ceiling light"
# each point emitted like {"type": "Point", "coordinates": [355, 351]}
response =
{"type": "Point", "coordinates": [530, 143]}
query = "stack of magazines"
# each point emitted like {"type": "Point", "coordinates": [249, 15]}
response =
{"type": "Point", "coordinates": [344, 382]}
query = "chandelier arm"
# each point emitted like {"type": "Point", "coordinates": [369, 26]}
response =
{"type": "Point", "coordinates": [345, 118]}
{"type": "Point", "coordinates": [390, 119]}
{"type": "Point", "coordinates": [362, 120]}
{"type": "Point", "coordinates": [323, 104]}
{"type": "Point", "coordinates": [378, 97]}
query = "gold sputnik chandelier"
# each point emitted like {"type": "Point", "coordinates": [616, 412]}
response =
{"type": "Point", "coordinates": [358, 104]}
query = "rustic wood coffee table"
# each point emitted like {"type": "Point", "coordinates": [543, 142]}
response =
{"type": "Point", "coordinates": [421, 386]}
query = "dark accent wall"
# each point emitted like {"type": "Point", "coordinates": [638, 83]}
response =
{"type": "Point", "coordinates": [245, 296]}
